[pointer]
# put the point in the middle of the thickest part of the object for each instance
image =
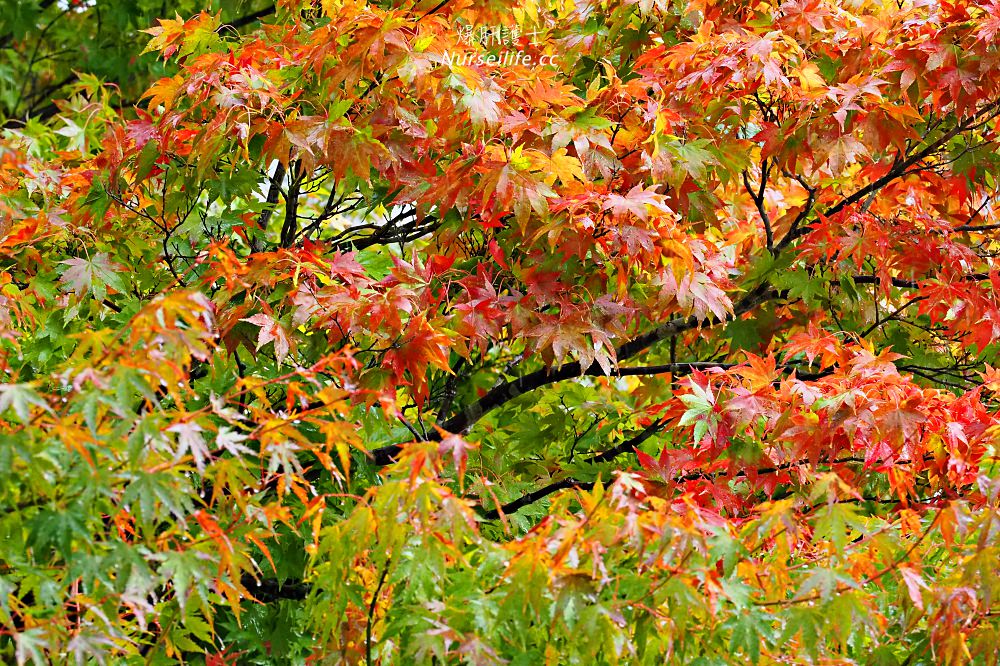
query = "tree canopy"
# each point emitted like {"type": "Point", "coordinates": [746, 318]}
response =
{"type": "Point", "coordinates": [549, 331]}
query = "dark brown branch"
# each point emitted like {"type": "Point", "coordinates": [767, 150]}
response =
{"type": "Point", "coordinates": [758, 199]}
{"type": "Point", "coordinates": [912, 284]}
{"type": "Point", "coordinates": [371, 613]}
{"type": "Point", "coordinates": [626, 447]}
{"type": "Point", "coordinates": [535, 495]}
{"type": "Point", "coordinates": [899, 169]}
{"type": "Point", "coordinates": [438, 7]}
{"type": "Point", "coordinates": [290, 227]}
{"type": "Point", "coordinates": [892, 316]}
{"type": "Point", "coordinates": [804, 213]}
{"type": "Point", "coordinates": [976, 229]}
{"type": "Point", "coordinates": [507, 391]}
{"type": "Point", "coordinates": [273, 192]}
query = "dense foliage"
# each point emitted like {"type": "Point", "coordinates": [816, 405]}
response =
{"type": "Point", "coordinates": [577, 331]}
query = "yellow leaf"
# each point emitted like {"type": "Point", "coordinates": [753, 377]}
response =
{"type": "Point", "coordinates": [163, 92]}
{"type": "Point", "coordinates": [809, 77]}
{"type": "Point", "coordinates": [564, 167]}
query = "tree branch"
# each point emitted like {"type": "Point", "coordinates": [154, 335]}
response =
{"type": "Point", "coordinates": [897, 170]}
{"type": "Point", "coordinates": [912, 284]}
{"type": "Point", "coordinates": [273, 192]}
{"type": "Point", "coordinates": [507, 391]}
{"type": "Point", "coordinates": [626, 447]}
{"type": "Point", "coordinates": [758, 199]}
{"type": "Point", "coordinates": [290, 227]}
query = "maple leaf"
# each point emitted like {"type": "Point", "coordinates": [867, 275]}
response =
{"type": "Point", "coordinates": [989, 27]}
{"type": "Point", "coordinates": [75, 133]}
{"type": "Point", "coordinates": [483, 105]}
{"type": "Point", "coordinates": [903, 420]}
{"type": "Point", "coordinates": [190, 440]}
{"type": "Point", "coordinates": [94, 274]}
{"type": "Point", "coordinates": [283, 458]}
{"type": "Point", "coordinates": [565, 167]}
{"type": "Point", "coordinates": [177, 36]}
{"type": "Point", "coordinates": [914, 585]}
{"type": "Point", "coordinates": [271, 331]}
{"type": "Point", "coordinates": [573, 332]}
{"type": "Point", "coordinates": [697, 293]}
{"type": "Point", "coordinates": [232, 441]}
{"type": "Point", "coordinates": [421, 347]}
{"type": "Point", "coordinates": [842, 151]}
{"type": "Point", "coordinates": [636, 202]}
{"type": "Point", "coordinates": [20, 398]}
{"type": "Point", "coordinates": [164, 91]}
{"type": "Point", "coordinates": [809, 76]}
{"type": "Point", "coordinates": [521, 184]}
{"type": "Point", "coordinates": [459, 450]}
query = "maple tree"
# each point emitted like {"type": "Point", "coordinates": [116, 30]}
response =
{"type": "Point", "coordinates": [336, 333]}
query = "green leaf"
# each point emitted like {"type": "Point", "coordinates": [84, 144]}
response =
{"type": "Point", "coordinates": [20, 398]}
{"type": "Point", "coordinates": [31, 645]}
{"type": "Point", "coordinates": [93, 275]}
{"type": "Point", "coordinates": [749, 629]}
{"type": "Point", "coordinates": [839, 524]}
